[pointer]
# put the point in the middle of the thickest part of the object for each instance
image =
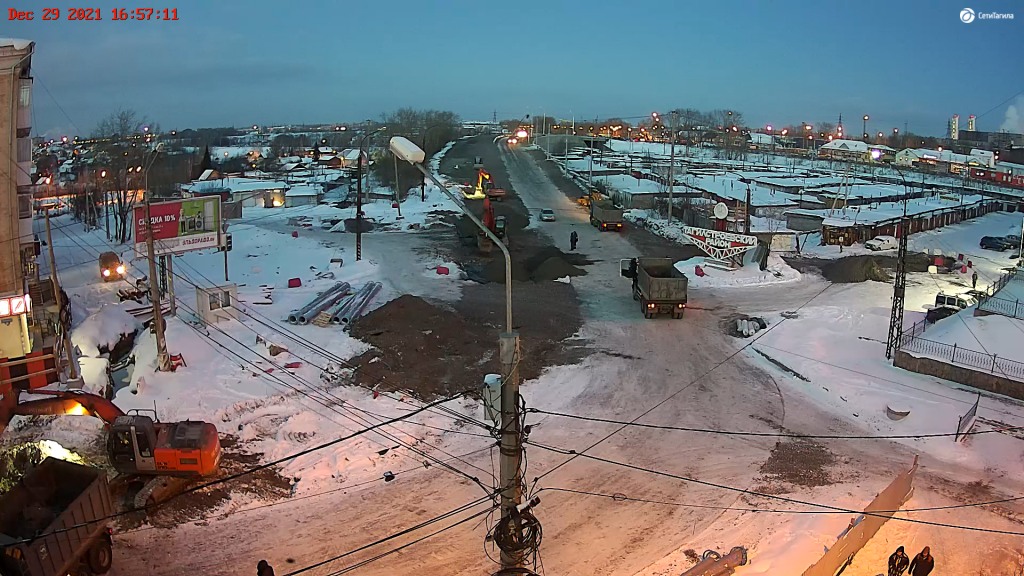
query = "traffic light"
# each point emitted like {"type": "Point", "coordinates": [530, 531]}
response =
{"type": "Point", "coordinates": [227, 242]}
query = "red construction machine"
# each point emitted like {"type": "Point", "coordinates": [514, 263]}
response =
{"type": "Point", "coordinates": [137, 444]}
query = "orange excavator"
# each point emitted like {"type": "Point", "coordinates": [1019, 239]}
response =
{"type": "Point", "coordinates": [485, 185]}
{"type": "Point", "coordinates": [136, 444]}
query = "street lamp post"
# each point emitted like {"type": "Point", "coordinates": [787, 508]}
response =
{"type": "Point", "coordinates": [865, 131]}
{"type": "Point", "coordinates": [359, 192]}
{"type": "Point", "coordinates": [508, 347]}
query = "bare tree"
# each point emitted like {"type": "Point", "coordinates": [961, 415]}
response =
{"type": "Point", "coordinates": [122, 152]}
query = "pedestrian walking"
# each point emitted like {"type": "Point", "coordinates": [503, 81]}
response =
{"type": "Point", "coordinates": [898, 562]}
{"type": "Point", "coordinates": [264, 569]}
{"type": "Point", "coordinates": [633, 269]}
{"type": "Point", "coordinates": [573, 239]}
{"type": "Point", "coordinates": [974, 281]}
{"type": "Point", "coordinates": [923, 563]}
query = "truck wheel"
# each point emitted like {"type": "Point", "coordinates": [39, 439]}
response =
{"type": "Point", "coordinates": [100, 557]}
{"type": "Point", "coordinates": [677, 315]}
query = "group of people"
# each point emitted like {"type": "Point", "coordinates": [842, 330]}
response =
{"type": "Point", "coordinates": [921, 565]}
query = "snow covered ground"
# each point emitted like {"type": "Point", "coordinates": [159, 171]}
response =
{"type": "Point", "coordinates": [750, 275]}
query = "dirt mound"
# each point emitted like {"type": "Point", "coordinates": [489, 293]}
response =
{"type": "Point", "coordinates": [798, 462]}
{"type": "Point", "coordinates": [424, 348]}
{"type": "Point", "coordinates": [266, 484]}
{"type": "Point", "coordinates": [547, 264]}
{"type": "Point", "coordinates": [554, 268]}
{"type": "Point", "coordinates": [855, 269]}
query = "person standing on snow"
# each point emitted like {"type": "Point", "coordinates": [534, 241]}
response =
{"type": "Point", "coordinates": [573, 239]}
{"type": "Point", "coordinates": [974, 281]}
{"type": "Point", "coordinates": [898, 562]}
{"type": "Point", "coordinates": [923, 563]}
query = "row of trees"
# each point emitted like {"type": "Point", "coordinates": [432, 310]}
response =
{"type": "Point", "coordinates": [429, 129]}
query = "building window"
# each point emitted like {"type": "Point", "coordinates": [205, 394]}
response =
{"type": "Point", "coordinates": [220, 300]}
{"type": "Point", "coordinates": [24, 206]}
{"type": "Point", "coordinates": [24, 146]}
{"type": "Point", "coordinates": [25, 97]}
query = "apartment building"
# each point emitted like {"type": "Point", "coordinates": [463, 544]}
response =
{"type": "Point", "coordinates": [17, 244]}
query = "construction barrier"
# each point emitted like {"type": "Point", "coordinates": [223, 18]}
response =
{"type": "Point", "coordinates": [34, 370]}
{"type": "Point", "coordinates": [864, 527]}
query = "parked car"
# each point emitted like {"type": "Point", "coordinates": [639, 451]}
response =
{"type": "Point", "coordinates": [547, 215]}
{"type": "Point", "coordinates": [882, 243]}
{"type": "Point", "coordinates": [995, 243]}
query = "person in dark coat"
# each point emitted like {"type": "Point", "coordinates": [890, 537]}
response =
{"type": "Point", "coordinates": [633, 268]}
{"type": "Point", "coordinates": [264, 569]}
{"type": "Point", "coordinates": [898, 562]}
{"type": "Point", "coordinates": [974, 281]}
{"type": "Point", "coordinates": [923, 563]}
{"type": "Point", "coordinates": [573, 239]}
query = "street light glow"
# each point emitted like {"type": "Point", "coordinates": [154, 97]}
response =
{"type": "Point", "coordinates": [866, 118]}
{"type": "Point", "coordinates": [103, 174]}
{"type": "Point", "coordinates": [769, 127]}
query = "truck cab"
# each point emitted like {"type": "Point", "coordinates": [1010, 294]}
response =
{"type": "Point", "coordinates": [111, 267]}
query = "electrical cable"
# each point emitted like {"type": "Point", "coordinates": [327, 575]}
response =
{"type": "Point", "coordinates": [685, 387]}
{"type": "Point", "coordinates": [771, 434]}
{"type": "Point", "coordinates": [307, 496]}
{"type": "Point", "coordinates": [399, 534]}
{"type": "Point", "coordinates": [403, 547]}
{"type": "Point", "coordinates": [328, 403]}
{"type": "Point", "coordinates": [620, 497]}
{"type": "Point", "coordinates": [773, 496]}
{"type": "Point", "coordinates": [230, 477]}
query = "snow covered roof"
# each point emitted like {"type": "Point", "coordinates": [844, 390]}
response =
{"type": "Point", "coordinates": [868, 215]}
{"type": "Point", "coordinates": [303, 191]}
{"type": "Point", "coordinates": [350, 154]}
{"type": "Point", "coordinates": [16, 43]}
{"type": "Point", "coordinates": [758, 138]}
{"type": "Point", "coordinates": [207, 174]}
{"type": "Point", "coordinates": [235, 185]}
{"type": "Point", "coordinates": [291, 166]}
{"type": "Point", "coordinates": [943, 156]}
{"type": "Point", "coordinates": [325, 150]}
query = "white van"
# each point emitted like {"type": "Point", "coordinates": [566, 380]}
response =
{"type": "Point", "coordinates": [882, 243]}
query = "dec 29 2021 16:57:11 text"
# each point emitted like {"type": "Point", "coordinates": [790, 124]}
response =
{"type": "Point", "coordinates": [96, 14]}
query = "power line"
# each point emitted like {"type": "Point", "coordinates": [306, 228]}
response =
{"type": "Point", "coordinates": [238, 475]}
{"type": "Point", "coordinates": [399, 534]}
{"type": "Point", "coordinates": [770, 496]}
{"type": "Point", "coordinates": [315, 494]}
{"type": "Point", "coordinates": [620, 497]}
{"type": "Point", "coordinates": [403, 546]}
{"type": "Point", "coordinates": [59, 107]}
{"type": "Point", "coordinates": [768, 434]}
{"type": "Point", "coordinates": [677, 392]}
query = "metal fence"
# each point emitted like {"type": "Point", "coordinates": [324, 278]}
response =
{"type": "Point", "coordinates": [967, 421]}
{"type": "Point", "coordinates": [991, 363]}
{"type": "Point", "coordinates": [1006, 307]}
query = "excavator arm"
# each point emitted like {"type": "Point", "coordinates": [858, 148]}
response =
{"type": "Point", "coordinates": [63, 402]}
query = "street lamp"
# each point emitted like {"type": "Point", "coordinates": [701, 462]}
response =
{"type": "Point", "coordinates": [865, 127]}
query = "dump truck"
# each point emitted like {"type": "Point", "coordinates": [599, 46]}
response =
{"type": "Point", "coordinates": [605, 215]}
{"type": "Point", "coordinates": [54, 522]}
{"type": "Point", "coordinates": [657, 285]}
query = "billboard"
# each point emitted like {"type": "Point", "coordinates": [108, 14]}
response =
{"type": "Point", "coordinates": [720, 245]}
{"type": "Point", "coordinates": [179, 225]}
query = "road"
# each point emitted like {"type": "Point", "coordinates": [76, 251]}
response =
{"type": "Point", "coordinates": [673, 372]}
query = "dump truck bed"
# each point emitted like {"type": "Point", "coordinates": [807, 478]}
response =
{"type": "Point", "coordinates": [55, 496]}
{"type": "Point", "coordinates": [605, 216]}
{"type": "Point", "coordinates": [659, 281]}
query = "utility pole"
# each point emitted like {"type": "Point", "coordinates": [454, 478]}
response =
{"type": "Point", "coordinates": [672, 166]}
{"type": "Point", "coordinates": [511, 439]}
{"type": "Point", "coordinates": [163, 362]}
{"type": "Point", "coordinates": [59, 297]}
{"type": "Point", "coordinates": [170, 285]}
{"type": "Point", "coordinates": [359, 205]}
{"type": "Point", "coordinates": [746, 213]}
{"type": "Point", "coordinates": [900, 284]}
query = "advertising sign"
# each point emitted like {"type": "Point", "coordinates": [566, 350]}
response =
{"type": "Point", "coordinates": [179, 225]}
{"type": "Point", "coordinates": [720, 245]}
{"type": "Point", "coordinates": [14, 305]}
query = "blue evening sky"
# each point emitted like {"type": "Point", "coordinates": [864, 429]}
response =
{"type": "Point", "coordinates": [269, 62]}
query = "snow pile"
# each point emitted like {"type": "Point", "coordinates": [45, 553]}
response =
{"type": "Point", "coordinates": [103, 329]}
{"type": "Point", "coordinates": [415, 210]}
{"type": "Point", "coordinates": [750, 275]}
